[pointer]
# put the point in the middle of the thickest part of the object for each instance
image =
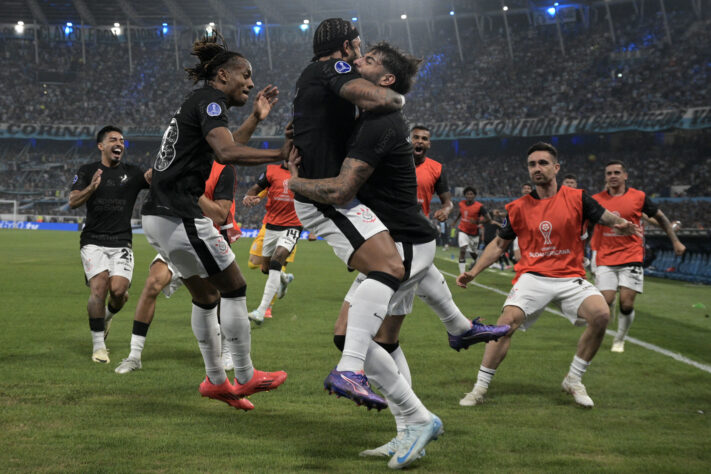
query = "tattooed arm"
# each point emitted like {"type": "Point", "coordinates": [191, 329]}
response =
{"type": "Point", "coordinates": [339, 190]}
{"type": "Point", "coordinates": [368, 96]}
{"type": "Point", "coordinates": [619, 225]}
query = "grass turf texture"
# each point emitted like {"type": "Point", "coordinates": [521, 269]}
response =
{"type": "Point", "coordinates": [59, 411]}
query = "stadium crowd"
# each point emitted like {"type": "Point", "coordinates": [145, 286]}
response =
{"type": "Point", "coordinates": [637, 72]}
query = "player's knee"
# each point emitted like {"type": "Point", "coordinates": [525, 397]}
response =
{"type": "Point", "coordinates": [154, 286]}
{"type": "Point", "coordinates": [119, 293]}
{"type": "Point", "coordinates": [599, 318]}
{"type": "Point", "coordinates": [395, 268]}
{"type": "Point", "coordinates": [626, 308]}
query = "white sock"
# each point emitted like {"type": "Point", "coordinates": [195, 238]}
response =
{"type": "Point", "coordinates": [97, 337]}
{"type": "Point", "coordinates": [368, 309]}
{"type": "Point", "coordinates": [235, 323]}
{"type": "Point", "coordinates": [434, 291]}
{"type": "Point", "coordinates": [462, 267]}
{"type": "Point", "coordinates": [399, 357]}
{"type": "Point", "coordinates": [207, 332]}
{"type": "Point", "coordinates": [484, 377]}
{"type": "Point", "coordinates": [578, 368]}
{"type": "Point", "coordinates": [137, 343]}
{"type": "Point", "coordinates": [270, 289]}
{"type": "Point", "coordinates": [382, 372]}
{"type": "Point", "coordinates": [624, 322]}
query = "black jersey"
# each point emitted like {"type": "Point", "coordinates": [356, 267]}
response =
{"type": "Point", "coordinates": [383, 141]}
{"type": "Point", "coordinates": [185, 158]}
{"type": "Point", "coordinates": [109, 208]}
{"type": "Point", "coordinates": [323, 121]}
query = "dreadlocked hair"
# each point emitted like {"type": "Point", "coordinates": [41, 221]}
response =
{"type": "Point", "coordinates": [213, 54]}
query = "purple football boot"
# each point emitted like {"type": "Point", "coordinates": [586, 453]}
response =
{"type": "Point", "coordinates": [478, 333]}
{"type": "Point", "coordinates": [355, 386]}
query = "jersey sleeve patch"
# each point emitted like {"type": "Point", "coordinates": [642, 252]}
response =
{"type": "Point", "coordinates": [213, 109]}
{"type": "Point", "coordinates": [76, 178]}
{"type": "Point", "coordinates": [342, 67]}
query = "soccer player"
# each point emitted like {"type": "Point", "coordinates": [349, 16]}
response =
{"type": "Point", "coordinates": [324, 114]}
{"type": "Point", "coordinates": [548, 223]}
{"type": "Point", "coordinates": [570, 180]}
{"type": "Point", "coordinates": [255, 250]}
{"type": "Point", "coordinates": [218, 204]}
{"type": "Point", "coordinates": [472, 214]}
{"type": "Point", "coordinates": [175, 226]}
{"type": "Point", "coordinates": [283, 229]}
{"type": "Point", "coordinates": [618, 259]}
{"type": "Point", "coordinates": [109, 189]}
{"type": "Point", "coordinates": [380, 170]}
{"type": "Point", "coordinates": [430, 175]}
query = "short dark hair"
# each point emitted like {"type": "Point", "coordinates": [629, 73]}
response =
{"type": "Point", "coordinates": [402, 65]}
{"type": "Point", "coordinates": [527, 184]}
{"type": "Point", "coordinates": [616, 162]}
{"type": "Point", "coordinates": [102, 133]}
{"type": "Point", "coordinates": [330, 35]}
{"type": "Point", "coordinates": [570, 176]}
{"type": "Point", "coordinates": [469, 188]}
{"type": "Point", "coordinates": [543, 146]}
{"type": "Point", "coordinates": [420, 127]}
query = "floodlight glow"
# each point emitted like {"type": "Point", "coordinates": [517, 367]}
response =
{"type": "Point", "coordinates": [116, 29]}
{"type": "Point", "coordinates": [307, 21]}
{"type": "Point", "coordinates": [551, 11]}
{"type": "Point", "coordinates": [506, 8]}
{"type": "Point", "coordinates": [69, 23]}
{"type": "Point", "coordinates": [355, 18]}
{"type": "Point", "coordinates": [256, 29]}
{"type": "Point", "coordinates": [304, 27]}
{"type": "Point", "coordinates": [69, 28]}
{"type": "Point", "coordinates": [259, 23]}
{"type": "Point", "coordinates": [165, 28]}
{"type": "Point", "coordinates": [403, 17]}
{"type": "Point", "coordinates": [451, 12]}
{"type": "Point", "coordinates": [20, 27]}
{"type": "Point", "coordinates": [555, 4]}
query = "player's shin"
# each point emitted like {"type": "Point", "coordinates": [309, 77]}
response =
{"type": "Point", "coordinates": [235, 324]}
{"type": "Point", "coordinates": [207, 331]}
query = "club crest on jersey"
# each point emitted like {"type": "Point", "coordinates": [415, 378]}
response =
{"type": "Point", "coordinates": [213, 109]}
{"type": "Point", "coordinates": [342, 67]}
{"type": "Point", "coordinates": [366, 215]}
{"type": "Point", "coordinates": [546, 227]}
{"type": "Point", "coordinates": [124, 178]}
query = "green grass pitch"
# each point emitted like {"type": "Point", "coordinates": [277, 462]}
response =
{"type": "Point", "coordinates": [60, 412]}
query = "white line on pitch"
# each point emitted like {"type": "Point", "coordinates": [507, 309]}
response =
{"type": "Point", "coordinates": [646, 345]}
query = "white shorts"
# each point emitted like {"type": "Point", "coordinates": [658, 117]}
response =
{"type": "Point", "coordinates": [417, 259]}
{"type": "Point", "coordinates": [286, 238]}
{"type": "Point", "coordinates": [466, 240]}
{"type": "Point", "coordinates": [344, 228]}
{"type": "Point", "coordinates": [118, 261]}
{"type": "Point", "coordinates": [532, 293]}
{"type": "Point", "coordinates": [611, 278]}
{"type": "Point", "coordinates": [175, 281]}
{"type": "Point", "coordinates": [193, 246]}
